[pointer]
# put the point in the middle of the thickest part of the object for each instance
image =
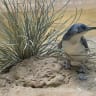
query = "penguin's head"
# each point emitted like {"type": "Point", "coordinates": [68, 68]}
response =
{"type": "Point", "coordinates": [77, 30]}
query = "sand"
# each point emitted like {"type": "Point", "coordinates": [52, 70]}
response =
{"type": "Point", "coordinates": [46, 76]}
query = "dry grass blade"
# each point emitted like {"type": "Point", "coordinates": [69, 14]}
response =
{"type": "Point", "coordinates": [27, 30]}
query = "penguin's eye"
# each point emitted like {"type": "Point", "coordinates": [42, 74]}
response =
{"type": "Point", "coordinates": [83, 27]}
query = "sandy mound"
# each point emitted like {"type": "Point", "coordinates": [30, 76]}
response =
{"type": "Point", "coordinates": [34, 72]}
{"type": "Point", "coordinates": [45, 73]}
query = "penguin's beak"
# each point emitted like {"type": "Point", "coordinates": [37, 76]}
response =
{"type": "Point", "coordinates": [91, 28]}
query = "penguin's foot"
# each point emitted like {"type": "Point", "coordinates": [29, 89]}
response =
{"type": "Point", "coordinates": [82, 76]}
{"type": "Point", "coordinates": [67, 65]}
{"type": "Point", "coordinates": [82, 69]}
{"type": "Point", "coordinates": [82, 73]}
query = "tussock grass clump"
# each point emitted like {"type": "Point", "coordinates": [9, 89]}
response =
{"type": "Point", "coordinates": [26, 30]}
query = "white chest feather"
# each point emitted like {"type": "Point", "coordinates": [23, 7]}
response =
{"type": "Point", "coordinates": [73, 48]}
{"type": "Point", "coordinates": [76, 49]}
